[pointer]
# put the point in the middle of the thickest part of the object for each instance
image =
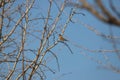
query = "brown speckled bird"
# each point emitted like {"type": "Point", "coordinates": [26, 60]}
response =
{"type": "Point", "coordinates": [61, 38]}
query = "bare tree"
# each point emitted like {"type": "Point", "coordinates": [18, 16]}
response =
{"type": "Point", "coordinates": [29, 33]}
{"type": "Point", "coordinates": [100, 10]}
{"type": "Point", "coordinates": [21, 29]}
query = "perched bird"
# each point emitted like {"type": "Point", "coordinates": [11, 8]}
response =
{"type": "Point", "coordinates": [61, 38]}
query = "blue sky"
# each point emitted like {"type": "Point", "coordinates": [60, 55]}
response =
{"type": "Point", "coordinates": [78, 66]}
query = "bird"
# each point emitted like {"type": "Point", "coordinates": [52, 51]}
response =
{"type": "Point", "coordinates": [61, 38]}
